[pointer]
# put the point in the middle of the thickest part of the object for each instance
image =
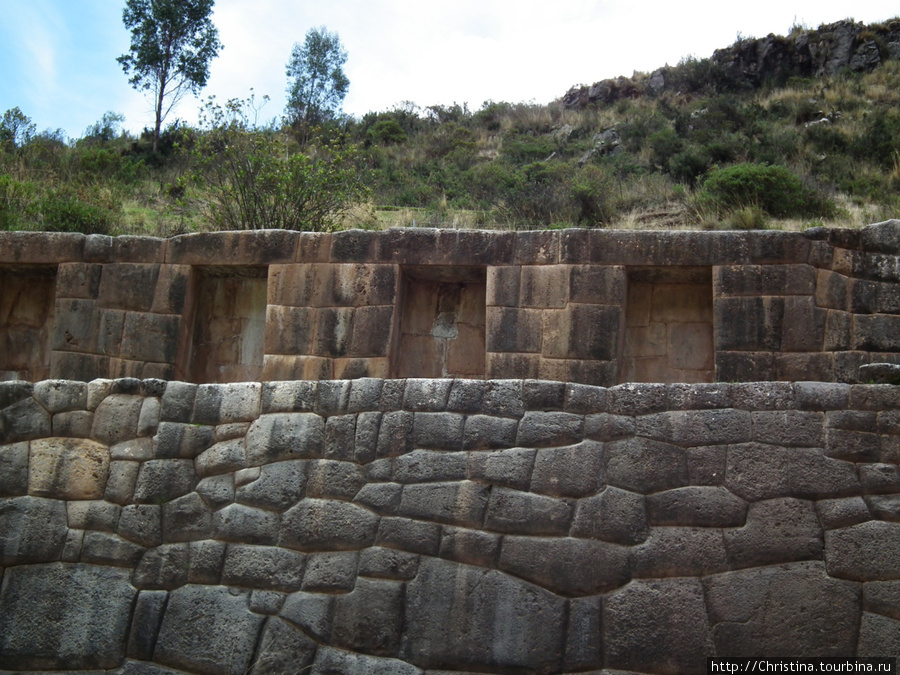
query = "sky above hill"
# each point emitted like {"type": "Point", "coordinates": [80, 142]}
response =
{"type": "Point", "coordinates": [58, 57]}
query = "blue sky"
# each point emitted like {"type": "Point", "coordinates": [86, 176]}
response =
{"type": "Point", "coordinates": [58, 57]}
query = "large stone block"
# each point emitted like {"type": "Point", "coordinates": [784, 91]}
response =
{"type": "Point", "coordinates": [698, 506]}
{"type": "Point", "coordinates": [614, 515]}
{"type": "Point", "coordinates": [317, 524]}
{"type": "Point", "coordinates": [208, 629]}
{"type": "Point", "coordinates": [783, 611]}
{"type": "Point", "coordinates": [31, 530]}
{"type": "Point", "coordinates": [128, 286]}
{"type": "Point", "coordinates": [460, 618]}
{"type": "Point", "coordinates": [658, 626]}
{"type": "Point", "coordinates": [525, 513]}
{"type": "Point", "coordinates": [869, 551]}
{"type": "Point", "coordinates": [266, 567]}
{"type": "Point", "coordinates": [509, 468]}
{"type": "Point", "coordinates": [645, 466]}
{"type": "Point", "coordinates": [64, 617]}
{"type": "Point", "coordinates": [14, 469]}
{"type": "Point", "coordinates": [680, 552]}
{"type": "Point", "coordinates": [65, 468]}
{"type": "Point", "coordinates": [278, 486]}
{"type": "Point", "coordinates": [457, 503]}
{"type": "Point", "coordinates": [777, 531]}
{"type": "Point", "coordinates": [369, 619]}
{"type": "Point", "coordinates": [575, 471]}
{"type": "Point", "coordinates": [280, 436]}
{"type": "Point", "coordinates": [749, 324]}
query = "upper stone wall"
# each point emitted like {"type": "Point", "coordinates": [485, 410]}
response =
{"type": "Point", "coordinates": [561, 305]}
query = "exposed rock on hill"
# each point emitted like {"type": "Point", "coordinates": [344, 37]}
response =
{"type": "Point", "coordinates": [749, 63]}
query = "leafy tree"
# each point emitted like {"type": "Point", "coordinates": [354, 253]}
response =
{"type": "Point", "coordinates": [317, 84]}
{"type": "Point", "coordinates": [16, 129]}
{"type": "Point", "coordinates": [172, 44]}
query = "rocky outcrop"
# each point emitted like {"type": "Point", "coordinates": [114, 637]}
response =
{"type": "Point", "coordinates": [751, 62]}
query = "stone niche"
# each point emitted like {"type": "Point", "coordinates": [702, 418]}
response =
{"type": "Point", "coordinates": [27, 298]}
{"type": "Point", "coordinates": [669, 326]}
{"type": "Point", "coordinates": [229, 324]}
{"type": "Point", "coordinates": [442, 323]}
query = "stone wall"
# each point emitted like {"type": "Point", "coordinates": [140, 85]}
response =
{"type": "Point", "coordinates": [444, 525]}
{"type": "Point", "coordinates": [556, 305]}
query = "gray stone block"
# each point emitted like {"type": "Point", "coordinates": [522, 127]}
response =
{"type": "Point", "coordinates": [472, 547]}
{"type": "Point", "coordinates": [13, 469]}
{"type": "Point", "coordinates": [369, 619]}
{"type": "Point", "coordinates": [696, 506]}
{"type": "Point", "coordinates": [502, 398]}
{"type": "Point", "coordinates": [777, 531]}
{"type": "Point", "coordinates": [74, 424]}
{"type": "Point", "coordinates": [311, 612]}
{"type": "Point", "coordinates": [13, 391]}
{"type": "Point", "coordinates": [145, 623]}
{"type": "Point", "coordinates": [32, 530]}
{"type": "Point", "coordinates": [409, 535]}
{"type": "Point", "coordinates": [421, 466]}
{"type": "Point", "coordinates": [572, 567]}
{"type": "Point", "coordinates": [61, 395]}
{"type": "Point", "coordinates": [791, 428]}
{"type": "Point", "coordinates": [121, 482]}
{"type": "Point", "coordinates": [510, 624]}
{"type": "Point", "coordinates": [749, 610]}
{"type": "Point", "coordinates": [288, 397]}
{"type": "Point", "coordinates": [484, 432]}
{"type": "Point", "coordinates": [606, 427]}
{"type": "Point", "coordinates": [316, 524]}
{"type": "Point", "coordinates": [853, 446]}
{"type": "Point", "coordinates": [265, 567]}
{"type": "Point", "coordinates": [878, 635]}
{"type": "Point", "coordinates": [885, 507]}
{"type": "Point", "coordinates": [138, 449]}
{"type": "Point", "coordinates": [103, 548]}
{"type": "Point", "coordinates": [427, 394]}
{"type": "Point", "coordinates": [509, 468]}
{"type": "Point", "coordinates": [674, 634]}
{"type": "Point", "coordinates": [762, 395]}
{"type": "Point", "coordinates": [637, 398]}
{"type": "Point", "coordinates": [226, 403]}
{"type": "Point", "coordinates": [380, 469]}
{"type": "Point", "coordinates": [329, 479]}
{"type": "Point", "coordinates": [365, 442]}
{"type": "Point", "coordinates": [645, 466]}
{"type": "Point", "coordinates": [696, 427]}
{"type": "Point", "coordinates": [64, 617]}
{"type": "Point", "coordinates": [614, 515]}
{"type": "Point", "coordinates": [365, 394]}
{"type": "Point", "coordinates": [278, 487]}
{"type": "Point", "coordinates": [458, 503]}
{"type": "Point", "coordinates": [186, 518]}
{"type": "Point", "coordinates": [282, 649]}
{"type": "Point", "coordinates": [386, 563]}
{"type": "Point", "coordinates": [880, 478]}
{"type": "Point", "coordinates": [576, 471]}
{"type": "Point", "coordinates": [338, 662]}
{"type": "Point", "coordinates": [754, 471]}
{"type": "Point", "coordinates": [707, 464]}
{"type": "Point", "coordinates": [330, 572]}
{"type": "Point", "coordinates": [116, 418]}
{"type": "Point", "coordinates": [216, 491]}
{"type": "Point", "coordinates": [208, 629]}
{"type": "Point", "coordinates": [24, 420]}
{"type": "Point", "coordinates": [206, 562]}
{"type": "Point", "coordinates": [518, 512]}
{"type": "Point", "coordinates": [838, 513]}
{"type": "Point", "coordinates": [340, 437]}
{"type": "Point", "coordinates": [163, 567]}
{"type": "Point", "coordinates": [821, 395]}
{"type": "Point", "coordinates": [812, 475]}
{"type": "Point", "coordinates": [680, 552]}
{"type": "Point", "coordinates": [142, 524]}
{"type": "Point", "coordinates": [395, 436]}
{"type": "Point", "coordinates": [266, 602]}
{"type": "Point", "coordinates": [93, 515]}
{"type": "Point", "coordinates": [440, 431]}
{"type": "Point", "coordinates": [543, 395]}
{"type": "Point", "coordinates": [543, 429]}
{"type": "Point", "coordinates": [161, 480]}
{"type": "Point", "coordinates": [382, 498]}
{"type": "Point", "coordinates": [584, 647]}
{"type": "Point", "coordinates": [869, 551]}
{"type": "Point", "coordinates": [882, 597]}
{"type": "Point", "coordinates": [278, 436]}
{"type": "Point", "coordinates": [222, 457]}
{"type": "Point", "coordinates": [245, 524]}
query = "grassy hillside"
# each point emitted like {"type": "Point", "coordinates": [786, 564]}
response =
{"type": "Point", "coordinates": [788, 153]}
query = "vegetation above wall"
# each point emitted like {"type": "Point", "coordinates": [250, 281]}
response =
{"type": "Point", "coordinates": [778, 132]}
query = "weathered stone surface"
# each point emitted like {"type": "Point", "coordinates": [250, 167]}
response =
{"type": "Point", "coordinates": [696, 507]}
{"type": "Point", "coordinates": [543, 429]}
{"type": "Point", "coordinates": [282, 649]}
{"type": "Point", "coordinates": [755, 471]}
{"type": "Point", "coordinates": [369, 619]}
{"type": "Point", "coordinates": [13, 469]}
{"type": "Point", "coordinates": [331, 572]}
{"type": "Point", "coordinates": [284, 436]}
{"type": "Point", "coordinates": [613, 515]}
{"type": "Point", "coordinates": [882, 597]}
{"type": "Point", "coordinates": [680, 552]}
{"type": "Point", "coordinates": [458, 503]}
{"type": "Point", "coordinates": [163, 567]}
{"type": "Point", "coordinates": [813, 475]}
{"type": "Point", "coordinates": [57, 616]}
{"type": "Point", "coordinates": [68, 468]}
{"type": "Point", "coordinates": [221, 457]}
{"type": "Point", "coordinates": [409, 535]}
{"type": "Point", "coordinates": [483, 432]}
{"type": "Point", "coordinates": [573, 567]}
{"type": "Point", "coordinates": [239, 523]}
{"type": "Point", "coordinates": [462, 617]}
{"type": "Point", "coordinates": [878, 635]}
{"type": "Point", "coordinates": [314, 524]}
{"type": "Point", "coordinates": [696, 427]}
{"type": "Point", "coordinates": [645, 466]}
{"type": "Point", "coordinates": [148, 612]}
{"type": "Point", "coordinates": [121, 481]}
{"type": "Point", "coordinates": [216, 491]}
{"type": "Point", "coordinates": [657, 626]}
{"type": "Point", "coordinates": [116, 418]}
{"type": "Point", "coordinates": [750, 611]}
{"type": "Point", "coordinates": [23, 420]}
{"type": "Point", "coordinates": [525, 513]}
{"type": "Point", "coordinates": [141, 523]}
{"type": "Point", "coordinates": [310, 611]}
{"type": "Point", "coordinates": [575, 471]}
{"type": "Point", "coordinates": [266, 567]}
{"type": "Point", "coordinates": [380, 497]}
{"type": "Point", "coordinates": [31, 530]}
{"type": "Point", "coordinates": [205, 561]}
{"type": "Point", "coordinates": [187, 518]}
{"type": "Point", "coordinates": [777, 531]}
{"type": "Point", "coordinates": [333, 662]}
{"type": "Point", "coordinates": [789, 428]}
{"type": "Point", "coordinates": [868, 551]}
{"type": "Point", "coordinates": [93, 515]}
{"type": "Point", "coordinates": [278, 487]}
{"type": "Point", "coordinates": [161, 480]}
{"type": "Point", "coordinates": [386, 563]}
{"type": "Point", "coordinates": [208, 629]}
{"type": "Point", "coordinates": [225, 403]}
{"type": "Point", "coordinates": [838, 513]}
{"type": "Point", "coordinates": [330, 479]}
{"type": "Point", "coordinates": [509, 468]}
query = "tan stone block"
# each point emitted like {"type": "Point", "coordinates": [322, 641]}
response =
{"type": "Point", "coordinates": [553, 369]}
{"type": "Point", "coordinates": [514, 330]}
{"type": "Point", "coordinates": [646, 341]}
{"type": "Point", "coordinates": [278, 367]}
{"type": "Point", "coordinates": [690, 346]}
{"type": "Point", "coordinates": [313, 247]}
{"type": "Point", "coordinates": [686, 303]}
{"type": "Point", "coordinates": [640, 296]}
{"type": "Point", "coordinates": [420, 304]}
{"type": "Point", "coordinates": [544, 286]}
{"type": "Point", "coordinates": [503, 286]}
{"type": "Point", "coordinates": [350, 369]}
{"type": "Point", "coordinates": [256, 247]}
{"type": "Point", "coordinates": [803, 329]}
{"type": "Point", "coordinates": [289, 330]}
{"type": "Point", "coordinates": [372, 330]}
{"type": "Point", "coordinates": [503, 366]}
{"type": "Point", "coordinates": [67, 468]}
{"type": "Point", "coordinates": [597, 373]}
{"type": "Point", "coordinates": [172, 288]}
{"type": "Point", "coordinates": [128, 286]}
{"type": "Point", "coordinates": [420, 356]}
{"type": "Point", "coordinates": [359, 285]}
{"type": "Point", "coordinates": [78, 280]}
{"type": "Point", "coordinates": [465, 354]}
{"type": "Point", "coordinates": [40, 247]}
{"type": "Point", "coordinates": [651, 369]}
{"type": "Point", "coordinates": [472, 309]}
{"type": "Point", "coordinates": [599, 284]}
{"type": "Point", "coordinates": [150, 337]}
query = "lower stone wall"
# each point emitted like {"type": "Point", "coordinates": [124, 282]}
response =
{"type": "Point", "coordinates": [435, 526]}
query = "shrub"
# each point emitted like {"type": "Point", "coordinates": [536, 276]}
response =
{"type": "Point", "coordinates": [386, 132]}
{"type": "Point", "coordinates": [773, 189]}
{"type": "Point", "coordinates": [64, 211]}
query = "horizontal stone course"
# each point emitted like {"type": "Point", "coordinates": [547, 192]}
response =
{"type": "Point", "coordinates": [446, 525]}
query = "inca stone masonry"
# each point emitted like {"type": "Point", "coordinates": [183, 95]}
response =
{"type": "Point", "coordinates": [429, 451]}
